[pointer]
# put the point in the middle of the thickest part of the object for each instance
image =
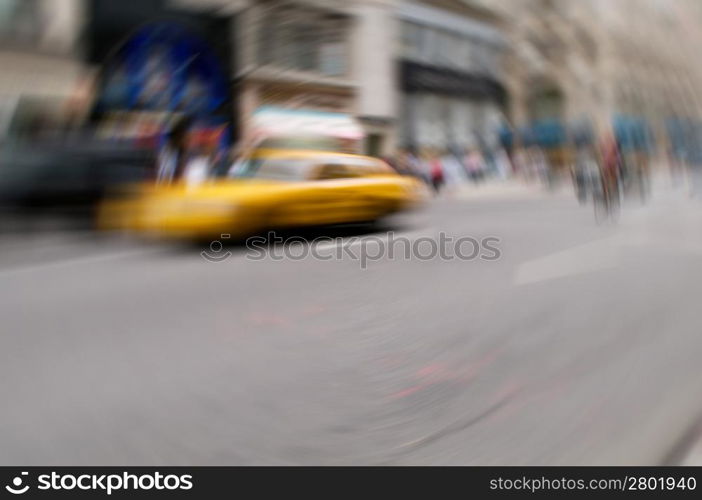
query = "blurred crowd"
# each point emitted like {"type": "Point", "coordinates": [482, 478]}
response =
{"type": "Point", "coordinates": [450, 168]}
{"type": "Point", "coordinates": [58, 166]}
{"type": "Point", "coordinates": [151, 97]}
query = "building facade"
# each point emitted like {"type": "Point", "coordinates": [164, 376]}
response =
{"type": "Point", "coordinates": [161, 62]}
{"type": "Point", "coordinates": [450, 87]}
{"type": "Point", "coordinates": [70, 61]}
{"type": "Point", "coordinates": [43, 76]}
{"type": "Point", "coordinates": [404, 73]}
{"type": "Point", "coordinates": [375, 45]}
{"type": "Point", "coordinates": [375, 75]}
{"type": "Point", "coordinates": [295, 73]}
{"type": "Point", "coordinates": [579, 70]}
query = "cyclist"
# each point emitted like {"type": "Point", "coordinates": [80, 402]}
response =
{"type": "Point", "coordinates": [607, 199]}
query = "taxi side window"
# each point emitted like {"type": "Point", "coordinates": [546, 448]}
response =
{"type": "Point", "coordinates": [382, 168]}
{"type": "Point", "coordinates": [334, 171]}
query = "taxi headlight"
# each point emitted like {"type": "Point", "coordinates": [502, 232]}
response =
{"type": "Point", "coordinates": [414, 189]}
{"type": "Point", "coordinates": [186, 207]}
{"type": "Point", "coordinates": [209, 206]}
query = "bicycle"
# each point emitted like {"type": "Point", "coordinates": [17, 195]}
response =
{"type": "Point", "coordinates": [605, 197]}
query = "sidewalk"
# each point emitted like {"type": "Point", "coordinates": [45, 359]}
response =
{"type": "Point", "coordinates": [688, 450]}
{"type": "Point", "coordinates": [507, 189]}
{"type": "Point", "coordinates": [661, 185]}
{"type": "Point", "coordinates": [693, 457]}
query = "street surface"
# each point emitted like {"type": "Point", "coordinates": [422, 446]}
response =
{"type": "Point", "coordinates": [580, 345]}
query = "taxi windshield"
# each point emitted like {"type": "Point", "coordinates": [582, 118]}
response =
{"type": "Point", "coordinates": [280, 169]}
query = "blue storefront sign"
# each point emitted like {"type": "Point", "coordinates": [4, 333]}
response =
{"type": "Point", "coordinates": [633, 134]}
{"type": "Point", "coordinates": [164, 67]}
{"type": "Point", "coordinates": [544, 133]}
{"type": "Point", "coordinates": [685, 138]}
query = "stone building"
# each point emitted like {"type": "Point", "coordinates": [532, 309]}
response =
{"type": "Point", "coordinates": [43, 76]}
{"type": "Point", "coordinates": [579, 68]}
{"type": "Point", "coordinates": [403, 73]}
{"type": "Point", "coordinates": [451, 93]}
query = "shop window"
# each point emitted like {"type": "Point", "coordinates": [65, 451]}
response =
{"type": "Point", "coordinates": [333, 58]}
{"type": "Point", "coordinates": [308, 40]}
{"type": "Point", "coordinates": [303, 47]}
{"type": "Point", "coordinates": [20, 21]}
{"type": "Point", "coordinates": [412, 39]}
{"type": "Point", "coordinates": [431, 50]}
{"type": "Point", "coordinates": [334, 171]}
{"type": "Point", "coordinates": [374, 144]}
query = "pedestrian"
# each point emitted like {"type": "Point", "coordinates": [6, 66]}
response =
{"type": "Point", "coordinates": [520, 163]}
{"type": "Point", "coordinates": [424, 166]}
{"type": "Point", "coordinates": [394, 162]}
{"type": "Point", "coordinates": [415, 165]}
{"type": "Point", "coordinates": [453, 171]}
{"type": "Point", "coordinates": [399, 162]}
{"type": "Point", "coordinates": [584, 171]}
{"type": "Point", "coordinates": [172, 156]}
{"type": "Point", "coordinates": [197, 168]}
{"type": "Point", "coordinates": [503, 164]}
{"type": "Point", "coordinates": [475, 165]}
{"type": "Point", "coordinates": [437, 172]}
{"type": "Point", "coordinates": [610, 169]}
{"type": "Point", "coordinates": [403, 162]}
{"type": "Point", "coordinates": [540, 166]}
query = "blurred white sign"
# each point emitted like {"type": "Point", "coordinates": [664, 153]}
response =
{"type": "Point", "coordinates": [270, 121]}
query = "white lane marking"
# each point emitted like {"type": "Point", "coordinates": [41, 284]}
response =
{"type": "Point", "coordinates": [88, 259]}
{"type": "Point", "coordinates": [411, 236]}
{"type": "Point", "coordinates": [676, 235]}
{"type": "Point", "coordinates": [328, 245]}
{"type": "Point", "coordinates": [55, 240]}
{"type": "Point", "coordinates": [581, 259]}
{"type": "Point", "coordinates": [693, 458]}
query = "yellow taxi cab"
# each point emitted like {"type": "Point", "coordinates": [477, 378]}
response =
{"type": "Point", "coordinates": [270, 189]}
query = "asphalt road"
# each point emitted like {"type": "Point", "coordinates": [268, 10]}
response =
{"type": "Point", "coordinates": [581, 344]}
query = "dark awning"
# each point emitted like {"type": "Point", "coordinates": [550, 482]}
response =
{"type": "Point", "coordinates": [415, 77]}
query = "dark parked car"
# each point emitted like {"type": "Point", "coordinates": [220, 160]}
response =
{"type": "Point", "coordinates": [67, 178]}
